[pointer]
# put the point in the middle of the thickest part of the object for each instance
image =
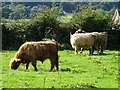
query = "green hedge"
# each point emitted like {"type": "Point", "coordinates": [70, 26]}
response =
{"type": "Point", "coordinates": [13, 38]}
{"type": "Point", "coordinates": [113, 39]}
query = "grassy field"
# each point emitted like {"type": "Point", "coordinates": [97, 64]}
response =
{"type": "Point", "coordinates": [76, 71]}
{"type": "Point", "coordinates": [65, 18]}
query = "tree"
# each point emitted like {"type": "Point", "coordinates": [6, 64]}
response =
{"type": "Point", "coordinates": [45, 24]}
{"type": "Point", "coordinates": [89, 20]}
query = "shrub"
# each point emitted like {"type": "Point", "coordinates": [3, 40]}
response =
{"type": "Point", "coordinates": [89, 20]}
{"type": "Point", "coordinates": [44, 25]}
{"type": "Point", "coordinates": [12, 35]}
{"type": "Point", "coordinates": [47, 25]}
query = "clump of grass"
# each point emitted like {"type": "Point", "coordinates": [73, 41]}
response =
{"type": "Point", "coordinates": [78, 71]}
{"type": "Point", "coordinates": [86, 85]}
{"type": "Point", "coordinates": [65, 69]}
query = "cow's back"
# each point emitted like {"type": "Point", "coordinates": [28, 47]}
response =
{"type": "Point", "coordinates": [83, 39]}
{"type": "Point", "coordinates": [37, 50]}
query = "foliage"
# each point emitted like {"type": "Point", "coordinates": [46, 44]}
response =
{"type": "Point", "coordinates": [75, 71]}
{"type": "Point", "coordinates": [12, 36]}
{"type": "Point", "coordinates": [44, 25]}
{"type": "Point", "coordinates": [89, 20]}
{"type": "Point", "coordinates": [113, 39]}
{"type": "Point", "coordinates": [18, 10]}
{"type": "Point", "coordinates": [49, 24]}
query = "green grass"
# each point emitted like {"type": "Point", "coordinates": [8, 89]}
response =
{"type": "Point", "coordinates": [76, 71]}
{"type": "Point", "coordinates": [66, 18]}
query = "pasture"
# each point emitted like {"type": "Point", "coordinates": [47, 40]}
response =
{"type": "Point", "coordinates": [75, 71]}
{"type": "Point", "coordinates": [66, 18]}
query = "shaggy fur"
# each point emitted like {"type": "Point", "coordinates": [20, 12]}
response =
{"type": "Point", "coordinates": [82, 40]}
{"type": "Point", "coordinates": [32, 51]}
{"type": "Point", "coordinates": [100, 42]}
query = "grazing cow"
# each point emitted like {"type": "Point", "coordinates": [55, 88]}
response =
{"type": "Point", "coordinates": [32, 51]}
{"type": "Point", "coordinates": [82, 40]}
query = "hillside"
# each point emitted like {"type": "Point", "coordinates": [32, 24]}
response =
{"type": "Point", "coordinates": [19, 10]}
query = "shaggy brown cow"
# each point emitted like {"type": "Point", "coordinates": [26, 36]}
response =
{"type": "Point", "coordinates": [32, 51]}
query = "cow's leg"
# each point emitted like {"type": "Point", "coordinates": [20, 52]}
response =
{"type": "Point", "coordinates": [76, 51]}
{"type": "Point", "coordinates": [99, 50]}
{"type": "Point", "coordinates": [56, 62]}
{"type": "Point", "coordinates": [90, 51]}
{"type": "Point", "coordinates": [93, 49]}
{"type": "Point", "coordinates": [81, 50]}
{"type": "Point", "coordinates": [34, 64]}
{"type": "Point", "coordinates": [27, 64]}
{"type": "Point", "coordinates": [52, 65]}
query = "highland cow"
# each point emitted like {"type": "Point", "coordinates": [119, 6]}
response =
{"type": "Point", "coordinates": [82, 40]}
{"type": "Point", "coordinates": [32, 51]}
{"type": "Point", "coordinates": [100, 42]}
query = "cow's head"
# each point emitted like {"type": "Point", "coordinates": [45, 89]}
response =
{"type": "Point", "coordinates": [14, 63]}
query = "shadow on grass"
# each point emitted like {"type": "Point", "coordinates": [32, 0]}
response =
{"type": "Point", "coordinates": [72, 70]}
{"type": "Point", "coordinates": [105, 54]}
{"type": "Point", "coordinates": [65, 69]}
{"type": "Point", "coordinates": [86, 85]}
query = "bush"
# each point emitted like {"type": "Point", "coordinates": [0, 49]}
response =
{"type": "Point", "coordinates": [90, 20]}
{"type": "Point", "coordinates": [113, 39]}
{"type": "Point", "coordinates": [44, 25]}
{"type": "Point", "coordinates": [12, 36]}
